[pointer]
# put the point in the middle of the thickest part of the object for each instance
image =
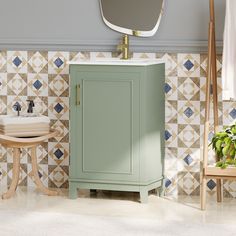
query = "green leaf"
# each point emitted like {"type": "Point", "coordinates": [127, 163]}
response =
{"type": "Point", "coordinates": [218, 145]}
{"type": "Point", "coordinates": [226, 149]}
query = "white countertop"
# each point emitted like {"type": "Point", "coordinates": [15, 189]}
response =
{"type": "Point", "coordinates": [119, 62]}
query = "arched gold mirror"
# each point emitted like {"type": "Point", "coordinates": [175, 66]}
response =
{"type": "Point", "coordinates": [133, 17]}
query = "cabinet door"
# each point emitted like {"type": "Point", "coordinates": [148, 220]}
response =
{"type": "Point", "coordinates": [105, 126]}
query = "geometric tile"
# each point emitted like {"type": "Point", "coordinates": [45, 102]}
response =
{"type": "Point", "coordinates": [57, 176]}
{"type": "Point", "coordinates": [62, 126]}
{"type": "Point", "coordinates": [167, 183]}
{"type": "Point", "coordinates": [37, 62]}
{"type": "Point", "coordinates": [3, 104]}
{"type": "Point", "coordinates": [59, 108]}
{"type": "Point", "coordinates": [57, 62]}
{"type": "Point", "coordinates": [17, 84]}
{"type": "Point", "coordinates": [211, 184]}
{"type": "Point", "coordinates": [171, 135]}
{"type": "Point", "coordinates": [189, 112]}
{"type": "Point", "coordinates": [188, 65]}
{"type": "Point", "coordinates": [78, 56]}
{"type": "Point", "coordinates": [167, 135]}
{"type": "Point", "coordinates": [188, 89]}
{"type": "Point", "coordinates": [59, 85]}
{"type": "Point", "coordinates": [167, 88]}
{"type": "Point", "coordinates": [97, 55]}
{"type": "Point", "coordinates": [58, 153]}
{"type": "Point", "coordinates": [171, 63]}
{"type": "Point", "coordinates": [12, 100]}
{"type": "Point", "coordinates": [188, 159]}
{"type": "Point", "coordinates": [188, 136]}
{"type": "Point", "coordinates": [3, 83]}
{"type": "Point", "coordinates": [17, 62]}
{"type": "Point", "coordinates": [187, 183]}
{"type": "Point", "coordinates": [171, 111]}
{"type": "Point", "coordinates": [171, 91]}
{"type": "Point", "coordinates": [233, 113]}
{"type": "Point", "coordinates": [3, 62]}
{"type": "Point", "coordinates": [41, 104]}
{"type": "Point", "coordinates": [38, 85]}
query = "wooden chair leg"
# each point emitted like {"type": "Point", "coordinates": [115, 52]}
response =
{"type": "Point", "coordinates": [37, 180]}
{"type": "Point", "coordinates": [219, 190]}
{"type": "Point", "coordinates": [203, 193]}
{"type": "Point", "coordinates": [15, 174]}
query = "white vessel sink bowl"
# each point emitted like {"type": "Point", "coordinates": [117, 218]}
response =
{"type": "Point", "coordinates": [118, 61]}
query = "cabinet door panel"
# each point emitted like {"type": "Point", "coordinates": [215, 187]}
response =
{"type": "Point", "coordinates": [108, 127]}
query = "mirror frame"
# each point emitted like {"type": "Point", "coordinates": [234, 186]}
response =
{"type": "Point", "coordinates": [130, 31]}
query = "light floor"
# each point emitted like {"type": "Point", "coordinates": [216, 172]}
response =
{"type": "Point", "coordinates": [113, 213]}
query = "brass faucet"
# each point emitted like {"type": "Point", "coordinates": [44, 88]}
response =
{"type": "Point", "coordinates": [124, 47]}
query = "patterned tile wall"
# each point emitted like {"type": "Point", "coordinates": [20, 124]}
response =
{"type": "Point", "coordinates": [44, 77]}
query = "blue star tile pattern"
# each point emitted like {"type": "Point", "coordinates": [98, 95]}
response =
{"type": "Point", "coordinates": [37, 84]}
{"type": "Point", "coordinates": [188, 112]}
{"type": "Point", "coordinates": [167, 183]}
{"type": "Point", "coordinates": [58, 153]}
{"type": "Point", "coordinates": [211, 184]}
{"type": "Point", "coordinates": [167, 135]}
{"type": "Point", "coordinates": [188, 159]}
{"type": "Point", "coordinates": [58, 62]}
{"type": "Point", "coordinates": [17, 61]}
{"type": "Point", "coordinates": [233, 113]}
{"type": "Point", "coordinates": [58, 108]}
{"type": "Point", "coordinates": [188, 65]}
{"type": "Point", "coordinates": [167, 88]}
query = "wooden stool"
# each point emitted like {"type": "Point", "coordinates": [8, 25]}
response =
{"type": "Point", "coordinates": [17, 144]}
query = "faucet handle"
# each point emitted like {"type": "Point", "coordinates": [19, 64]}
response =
{"type": "Point", "coordinates": [30, 106]}
{"type": "Point", "coordinates": [17, 107]}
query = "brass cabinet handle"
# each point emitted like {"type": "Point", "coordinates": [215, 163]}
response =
{"type": "Point", "coordinates": [78, 94]}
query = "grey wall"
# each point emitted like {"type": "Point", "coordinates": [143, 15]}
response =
{"type": "Point", "coordinates": [77, 25]}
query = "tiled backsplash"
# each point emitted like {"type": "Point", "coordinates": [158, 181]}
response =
{"type": "Point", "coordinates": [44, 77]}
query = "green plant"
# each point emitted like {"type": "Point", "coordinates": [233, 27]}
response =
{"type": "Point", "coordinates": [224, 145]}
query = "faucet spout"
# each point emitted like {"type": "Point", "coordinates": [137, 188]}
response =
{"type": "Point", "coordinates": [124, 47]}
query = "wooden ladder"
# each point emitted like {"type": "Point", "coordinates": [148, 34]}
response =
{"type": "Point", "coordinates": [212, 172]}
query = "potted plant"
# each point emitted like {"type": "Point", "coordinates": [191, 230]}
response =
{"type": "Point", "coordinates": [224, 145]}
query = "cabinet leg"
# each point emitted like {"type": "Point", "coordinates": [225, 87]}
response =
{"type": "Point", "coordinates": [162, 188]}
{"type": "Point", "coordinates": [144, 196]}
{"type": "Point", "coordinates": [73, 190]}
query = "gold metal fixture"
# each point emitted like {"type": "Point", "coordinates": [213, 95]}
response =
{"type": "Point", "coordinates": [124, 47]}
{"type": "Point", "coordinates": [78, 94]}
{"type": "Point", "coordinates": [136, 33]}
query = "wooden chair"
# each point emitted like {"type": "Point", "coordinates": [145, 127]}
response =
{"type": "Point", "coordinates": [212, 172]}
{"type": "Point", "coordinates": [17, 144]}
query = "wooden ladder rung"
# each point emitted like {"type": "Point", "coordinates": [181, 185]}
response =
{"type": "Point", "coordinates": [217, 171]}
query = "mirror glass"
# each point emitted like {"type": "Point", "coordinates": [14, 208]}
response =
{"type": "Point", "coordinates": [133, 17]}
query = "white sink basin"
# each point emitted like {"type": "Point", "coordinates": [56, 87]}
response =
{"type": "Point", "coordinates": [25, 125]}
{"type": "Point", "coordinates": [118, 61]}
{"type": "Point", "coordinates": [23, 119]}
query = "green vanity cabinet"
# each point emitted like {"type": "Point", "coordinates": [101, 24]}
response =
{"type": "Point", "coordinates": [117, 125]}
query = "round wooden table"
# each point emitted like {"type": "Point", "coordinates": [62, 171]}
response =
{"type": "Point", "coordinates": [16, 144]}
